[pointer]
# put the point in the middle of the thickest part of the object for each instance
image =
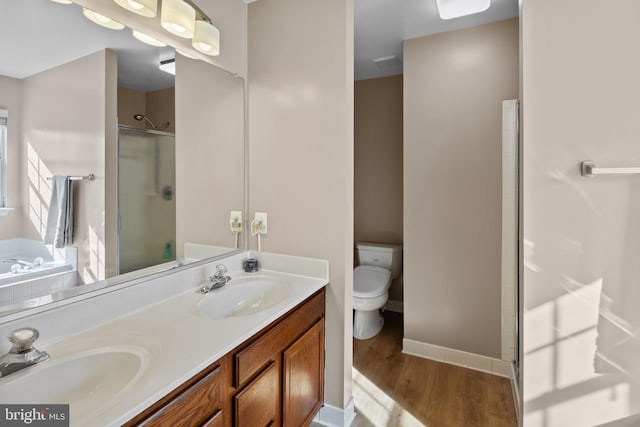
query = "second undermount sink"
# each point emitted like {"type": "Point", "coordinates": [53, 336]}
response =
{"type": "Point", "coordinates": [244, 296]}
{"type": "Point", "coordinates": [88, 381]}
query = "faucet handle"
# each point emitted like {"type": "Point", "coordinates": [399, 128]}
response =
{"type": "Point", "coordinates": [23, 339]}
{"type": "Point", "coordinates": [220, 270]}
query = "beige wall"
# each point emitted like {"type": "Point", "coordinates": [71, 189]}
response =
{"type": "Point", "coordinates": [210, 140]}
{"type": "Point", "coordinates": [161, 106]}
{"type": "Point", "coordinates": [64, 132]}
{"type": "Point", "coordinates": [11, 225]}
{"type": "Point", "coordinates": [301, 150]}
{"type": "Point", "coordinates": [158, 105]}
{"type": "Point", "coordinates": [581, 235]}
{"type": "Point", "coordinates": [130, 102]}
{"type": "Point", "coordinates": [454, 84]}
{"type": "Point", "coordinates": [378, 164]}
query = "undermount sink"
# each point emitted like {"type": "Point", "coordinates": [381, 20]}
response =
{"type": "Point", "coordinates": [89, 381]}
{"type": "Point", "coordinates": [244, 296]}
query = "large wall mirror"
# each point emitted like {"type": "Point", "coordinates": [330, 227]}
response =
{"type": "Point", "coordinates": [153, 158]}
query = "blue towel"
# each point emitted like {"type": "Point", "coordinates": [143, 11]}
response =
{"type": "Point", "coordinates": [60, 220]}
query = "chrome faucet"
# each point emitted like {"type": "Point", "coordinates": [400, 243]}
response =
{"type": "Point", "coordinates": [22, 353]}
{"type": "Point", "coordinates": [20, 265]}
{"type": "Point", "coordinates": [216, 281]}
{"type": "Point", "coordinates": [25, 264]}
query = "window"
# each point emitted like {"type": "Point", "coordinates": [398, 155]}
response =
{"type": "Point", "coordinates": [4, 114]}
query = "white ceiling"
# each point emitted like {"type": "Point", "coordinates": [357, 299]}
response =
{"type": "Point", "coordinates": [382, 25]}
{"type": "Point", "coordinates": [39, 34]}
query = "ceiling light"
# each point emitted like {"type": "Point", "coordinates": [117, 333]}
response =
{"type": "Point", "coordinates": [178, 18]}
{"type": "Point", "coordinates": [449, 9]}
{"type": "Point", "coordinates": [141, 7]}
{"type": "Point", "coordinates": [168, 66]}
{"type": "Point", "coordinates": [206, 38]}
{"type": "Point", "coordinates": [147, 39]}
{"type": "Point", "coordinates": [102, 20]}
{"type": "Point", "coordinates": [63, 1]}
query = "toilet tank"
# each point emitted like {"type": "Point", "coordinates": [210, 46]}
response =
{"type": "Point", "coordinates": [382, 255]}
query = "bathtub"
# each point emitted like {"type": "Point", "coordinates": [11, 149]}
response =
{"type": "Point", "coordinates": [58, 271]}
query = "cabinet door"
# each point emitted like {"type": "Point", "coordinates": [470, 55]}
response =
{"type": "Point", "coordinates": [258, 404]}
{"type": "Point", "coordinates": [303, 366]}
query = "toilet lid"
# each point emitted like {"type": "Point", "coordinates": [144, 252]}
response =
{"type": "Point", "coordinates": [370, 281]}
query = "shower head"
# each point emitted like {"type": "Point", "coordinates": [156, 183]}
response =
{"type": "Point", "coordinates": [141, 117]}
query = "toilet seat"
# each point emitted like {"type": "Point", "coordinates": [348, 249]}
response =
{"type": "Point", "coordinates": [370, 281]}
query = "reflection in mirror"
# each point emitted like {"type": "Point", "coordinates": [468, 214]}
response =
{"type": "Point", "coordinates": [166, 154]}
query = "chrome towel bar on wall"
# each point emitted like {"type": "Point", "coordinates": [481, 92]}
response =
{"type": "Point", "coordinates": [589, 169]}
{"type": "Point", "coordinates": [89, 177]}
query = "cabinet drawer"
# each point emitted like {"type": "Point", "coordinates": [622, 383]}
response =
{"type": "Point", "coordinates": [192, 407]}
{"type": "Point", "coordinates": [258, 404]}
{"type": "Point", "coordinates": [266, 348]}
{"type": "Point", "coordinates": [215, 421]}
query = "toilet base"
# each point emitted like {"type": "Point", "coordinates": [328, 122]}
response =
{"type": "Point", "coordinates": [367, 324]}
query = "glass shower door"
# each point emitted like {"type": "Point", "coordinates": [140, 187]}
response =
{"type": "Point", "coordinates": [146, 198]}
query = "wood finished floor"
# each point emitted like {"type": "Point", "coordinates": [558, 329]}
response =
{"type": "Point", "coordinates": [420, 392]}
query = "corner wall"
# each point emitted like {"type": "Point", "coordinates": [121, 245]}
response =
{"type": "Point", "coordinates": [454, 85]}
{"type": "Point", "coordinates": [301, 151]}
{"type": "Point", "coordinates": [11, 225]}
{"type": "Point", "coordinates": [378, 164]}
{"type": "Point", "coordinates": [581, 85]}
{"type": "Point", "coordinates": [64, 132]}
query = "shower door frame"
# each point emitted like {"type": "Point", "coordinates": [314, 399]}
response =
{"type": "Point", "coordinates": [132, 129]}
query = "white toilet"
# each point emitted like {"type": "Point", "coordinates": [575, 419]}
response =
{"type": "Point", "coordinates": [379, 265]}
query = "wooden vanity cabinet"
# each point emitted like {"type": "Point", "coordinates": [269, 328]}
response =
{"type": "Point", "coordinates": [275, 378]}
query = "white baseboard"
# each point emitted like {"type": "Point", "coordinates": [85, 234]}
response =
{"type": "Point", "coordinates": [332, 416]}
{"type": "Point", "coordinates": [394, 305]}
{"type": "Point", "coordinates": [451, 356]}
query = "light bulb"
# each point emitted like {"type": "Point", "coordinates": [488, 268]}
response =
{"type": "Point", "coordinates": [102, 20]}
{"type": "Point", "coordinates": [178, 18]}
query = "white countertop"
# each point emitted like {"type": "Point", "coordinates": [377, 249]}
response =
{"type": "Point", "coordinates": [173, 338]}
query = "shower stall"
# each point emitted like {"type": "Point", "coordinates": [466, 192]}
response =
{"type": "Point", "coordinates": [146, 198]}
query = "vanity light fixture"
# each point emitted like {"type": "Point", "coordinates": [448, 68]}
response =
{"type": "Point", "coordinates": [185, 54]}
{"type": "Point", "coordinates": [102, 20]}
{"type": "Point", "coordinates": [147, 39]}
{"type": "Point", "coordinates": [168, 65]}
{"type": "Point", "coordinates": [178, 17]}
{"type": "Point", "coordinates": [206, 38]}
{"type": "Point", "coordinates": [449, 9]}
{"type": "Point", "coordinates": [146, 8]}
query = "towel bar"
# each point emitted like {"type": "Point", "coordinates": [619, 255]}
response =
{"type": "Point", "coordinates": [590, 169]}
{"type": "Point", "coordinates": [89, 177]}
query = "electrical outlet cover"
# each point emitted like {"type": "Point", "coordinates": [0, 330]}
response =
{"type": "Point", "coordinates": [235, 221]}
{"type": "Point", "coordinates": [260, 219]}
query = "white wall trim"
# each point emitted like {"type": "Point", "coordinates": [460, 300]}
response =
{"type": "Point", "coordinates": [516, 395]}
{"type": "Point", "coordinates": [394, 305]}
{"type": "Point", "coordinates": [332, 416]}
{"type": "Point", "coordinates": [451, 356]}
